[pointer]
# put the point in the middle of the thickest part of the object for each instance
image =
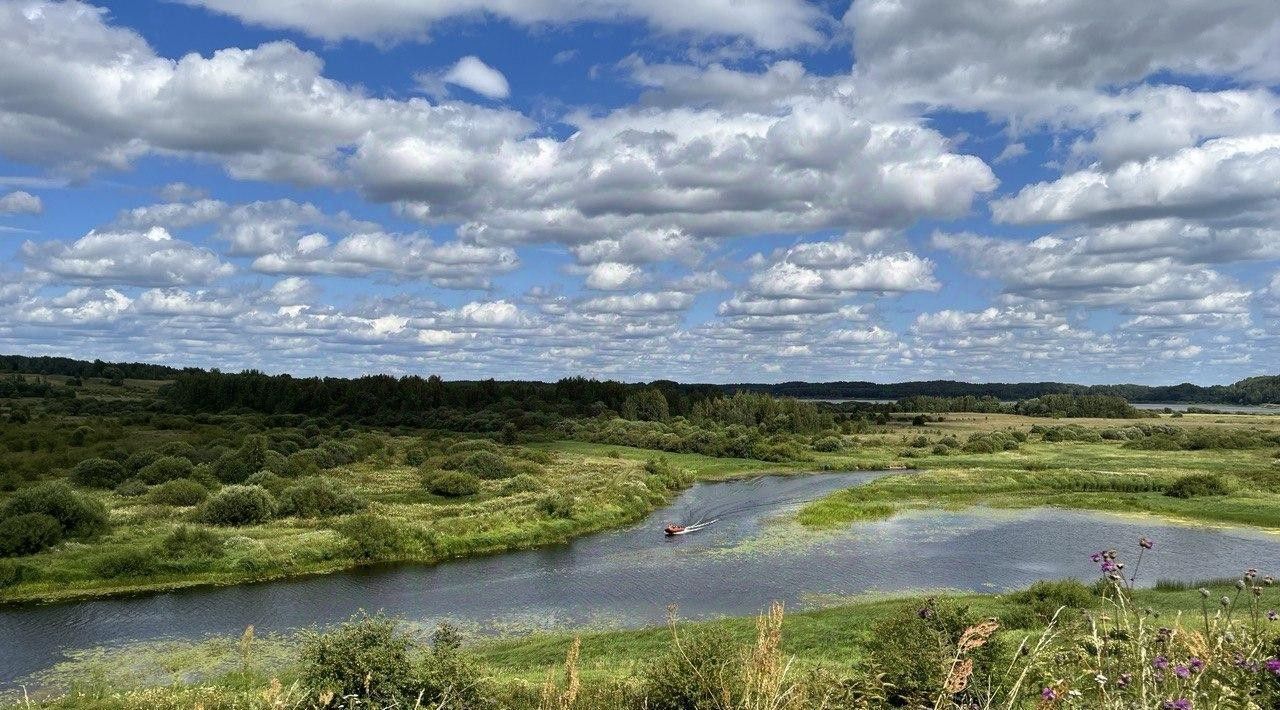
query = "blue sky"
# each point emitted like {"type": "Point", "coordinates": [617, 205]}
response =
{"type": "Point", "coordinates": [711, 190]}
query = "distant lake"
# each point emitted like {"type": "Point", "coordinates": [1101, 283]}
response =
{"type": "Point", "coordinates": [627, 577]}
{"type": "Point", "coordinates": [1157, 406]}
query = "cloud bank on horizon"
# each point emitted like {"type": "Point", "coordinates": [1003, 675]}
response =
{"type": "Point", "coordinates": [712, 190]}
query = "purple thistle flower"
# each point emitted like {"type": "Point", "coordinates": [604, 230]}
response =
{"type": "Point", "coordinates": [1146, 543]}
{"type": "Point", "coordinates": [1096, 557]}
{"type": "Point", "coordinates": [1124, 680]}
{"type": "Point", "coordinates": [1160, 662]}
{"type": "Point", "coordinates": [1272, 615]}
{"type": "Point", "coordinates": [1273, 665]}
{"type": "Point", "coordinates": [1182, 672]}
{"type": "Point", "coordinates": [1049, 694]}
{"type": "Point", "coordinates": [1179, 704]}
{"type": "Point", "coordinates": [1196, 664]}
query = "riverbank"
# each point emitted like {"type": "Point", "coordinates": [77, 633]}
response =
{"type": "Point", "coordinates": [597, 487]}
{"type": "Point", "coordinates": [838, 641]}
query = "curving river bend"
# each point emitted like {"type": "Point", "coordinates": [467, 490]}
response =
{"type": "Point", "coordinates": [629, 576]}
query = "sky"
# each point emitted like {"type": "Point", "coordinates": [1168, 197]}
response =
{"type": "Point", "coordinates": [709, 190]}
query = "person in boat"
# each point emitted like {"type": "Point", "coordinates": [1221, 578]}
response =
{"type": "Point", "coordinates": [673, 529]}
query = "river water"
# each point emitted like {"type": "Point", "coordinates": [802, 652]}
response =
{"type": "Point", "coordinates": [750, 557]}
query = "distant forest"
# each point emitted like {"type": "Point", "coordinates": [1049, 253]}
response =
{"type": "Point", "coordinates": [216, 390]}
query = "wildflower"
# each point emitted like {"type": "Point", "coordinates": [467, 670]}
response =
{"type": "Point", "coordinates": [1272, 615]}
{"type": "Point", "coordinates": [925, 612]}
{"type": "Point", "coordinates": [1268, 580]}
{"type": "Point", "coordinates": [1204, 592]}
{"type": "Point", "coordinates": [1197, 664]}
{"type": "Point", "coordinates": [1273, 665]}
{"type": "Point", "coordinates": [1124, 680]}
{"type": "Point", "coordinates": [1257, 591]}
{"type": "Point", "coordinates": [1096, 557]}
{"type": "Point", "coordinates": [1146, 543]}
{"type": "Point", "coordinates": [1179, 704]}
{"type": "Point", "coordinates": [1164, 634]}
{"type": "Point", "coordinates": [1100, 679]}
{"type": "Point", "coordinates": [1109, 566]}
{"type": "Point", "coordinates": [1250, 573]}
{"type": "Point", "coordinates": [1160, 662]}
{"type": "Point", "coordinates": [1225, 601]}
{"type": "Point", "coordinates": [1239, 584]}
{"type": "Point", "coordinates": [1182, 672]}
{"type": "Point", "coordinates": [1049, 694]}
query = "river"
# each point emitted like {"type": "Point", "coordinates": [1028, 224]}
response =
{"type": "Point", "coordinates": [750, 557]}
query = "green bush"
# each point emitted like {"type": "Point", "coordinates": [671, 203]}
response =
{"type": "Point", "coordinates": [366, 657]}
{"type": "Point", "coordinates": [12, 572]}
{"type": "Point", "coordinates": [486, 465]}
{"type": "Point", "coordinates": [186, 542]}
{"type": "Point", "coordinates": [28, 534]}
{"type": "Point", "coordinates": [1047, 596]}
{"type": "Point", "coordinates": [556, 505]}
{"type": "Point", "coordinates": [828, 444]}
{"type": "Point", "coordinates": [1198, 484]}
{"type": "Point", "coordinates": [274, 483]}
{"type": "Point", "coordinates": [80, 515]}
{"type": "Point", "coordinates": [701, 675]}
{"type": "Point", "coordinates": [415, 456]}
{"type": "Point", "coordinates": [914, 648]}
{"type": "Point", "coordinates": [165, 468]}
{"type": "Point", "coordinates": [180, 492]}
{"type": "Point", "coordinates": [128, 562]}
{"type": "Point", "coordinates": [523, 483]}
{"type": "Point", "coordinates": [141, 459]}
{"type": "Point", "coordinates": [452, 484]}
{"type": "Point", "coordinates": [470, 445]}
{"type": "Point", "coordinates": [371, 537]}
{"type": "Point", "coordinates": [99, 473]}
{"type": "Point", "coordinates": [317, 497]}
{"type": "Point", "coordinates": [447, 678]}
{"type": "Point", "coordinates": [239, 505]}
{"type": "Point", "coordinates": [131, 488]}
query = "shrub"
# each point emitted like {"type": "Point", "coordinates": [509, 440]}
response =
{"type": "Point", "coordinates": [141, 459]}
{"type": "Point", "coordinates": [131, 488]}
{"type": "Point", "coordinates": [452, 484]}
{"type": "Point", "coordinates": [914, 649]}
{"type": "Point", "coordinates": [99, 473]}
{"type": "Point", "coordinates": [828, 444]}
{"type": "Point", "coordinates": [28, 534]}
{"type": "Point", "coordinates": [1198, 484]}
{"type": "Point", "coordinates": [1047, 596]}
{"type": "Point", "coordinates": [274, 484]}
{"type": "Point", "coordinates": [556, 505]}
{"type": "Point", "coordinates": [180, 492]}
{"type": "Point", "coordinates": [318, 496]}
{"type": "Point", "coordinates": [486, 465]}
{"type": "Point", "coordinates": [523, 483]}
{"type": "Point", "coordinates": [366, 657]}
{"type": "Point", "coordinates": [12, 572]}
{"type": "Point", "coordinates": [415, 456]}
{"type": "Point", "coordinates": [446, 677]}
{"type": "Point", "coordinates": [239, 505]}
{"type": "Point", "coordinates": [187, 542]}
{"type": "Point", "coordinates": [371, 537]}
{"type": "Point", "coordinates": [79, 436]}
{"type": "Point", "coordinates": [698, 676]}
{"type": "Point", "coordinates": [165, 468]}
{"type": "Point", "coordinates": [80, 515]}
{"type": "Point", "coordinates": [470, 445]}
{"type": "Point", "coordinates": [127, 562]}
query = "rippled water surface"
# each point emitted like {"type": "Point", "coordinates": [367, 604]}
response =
{"type": "Point", "coordinates": [736, 566]}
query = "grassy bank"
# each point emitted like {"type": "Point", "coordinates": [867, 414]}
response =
{"type": "Point", "coordinates": [1108, 475]}
{"type": "Point", "coordinates": [844, 644]}
{"type": "Point", "coordinates": [578, 489]}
